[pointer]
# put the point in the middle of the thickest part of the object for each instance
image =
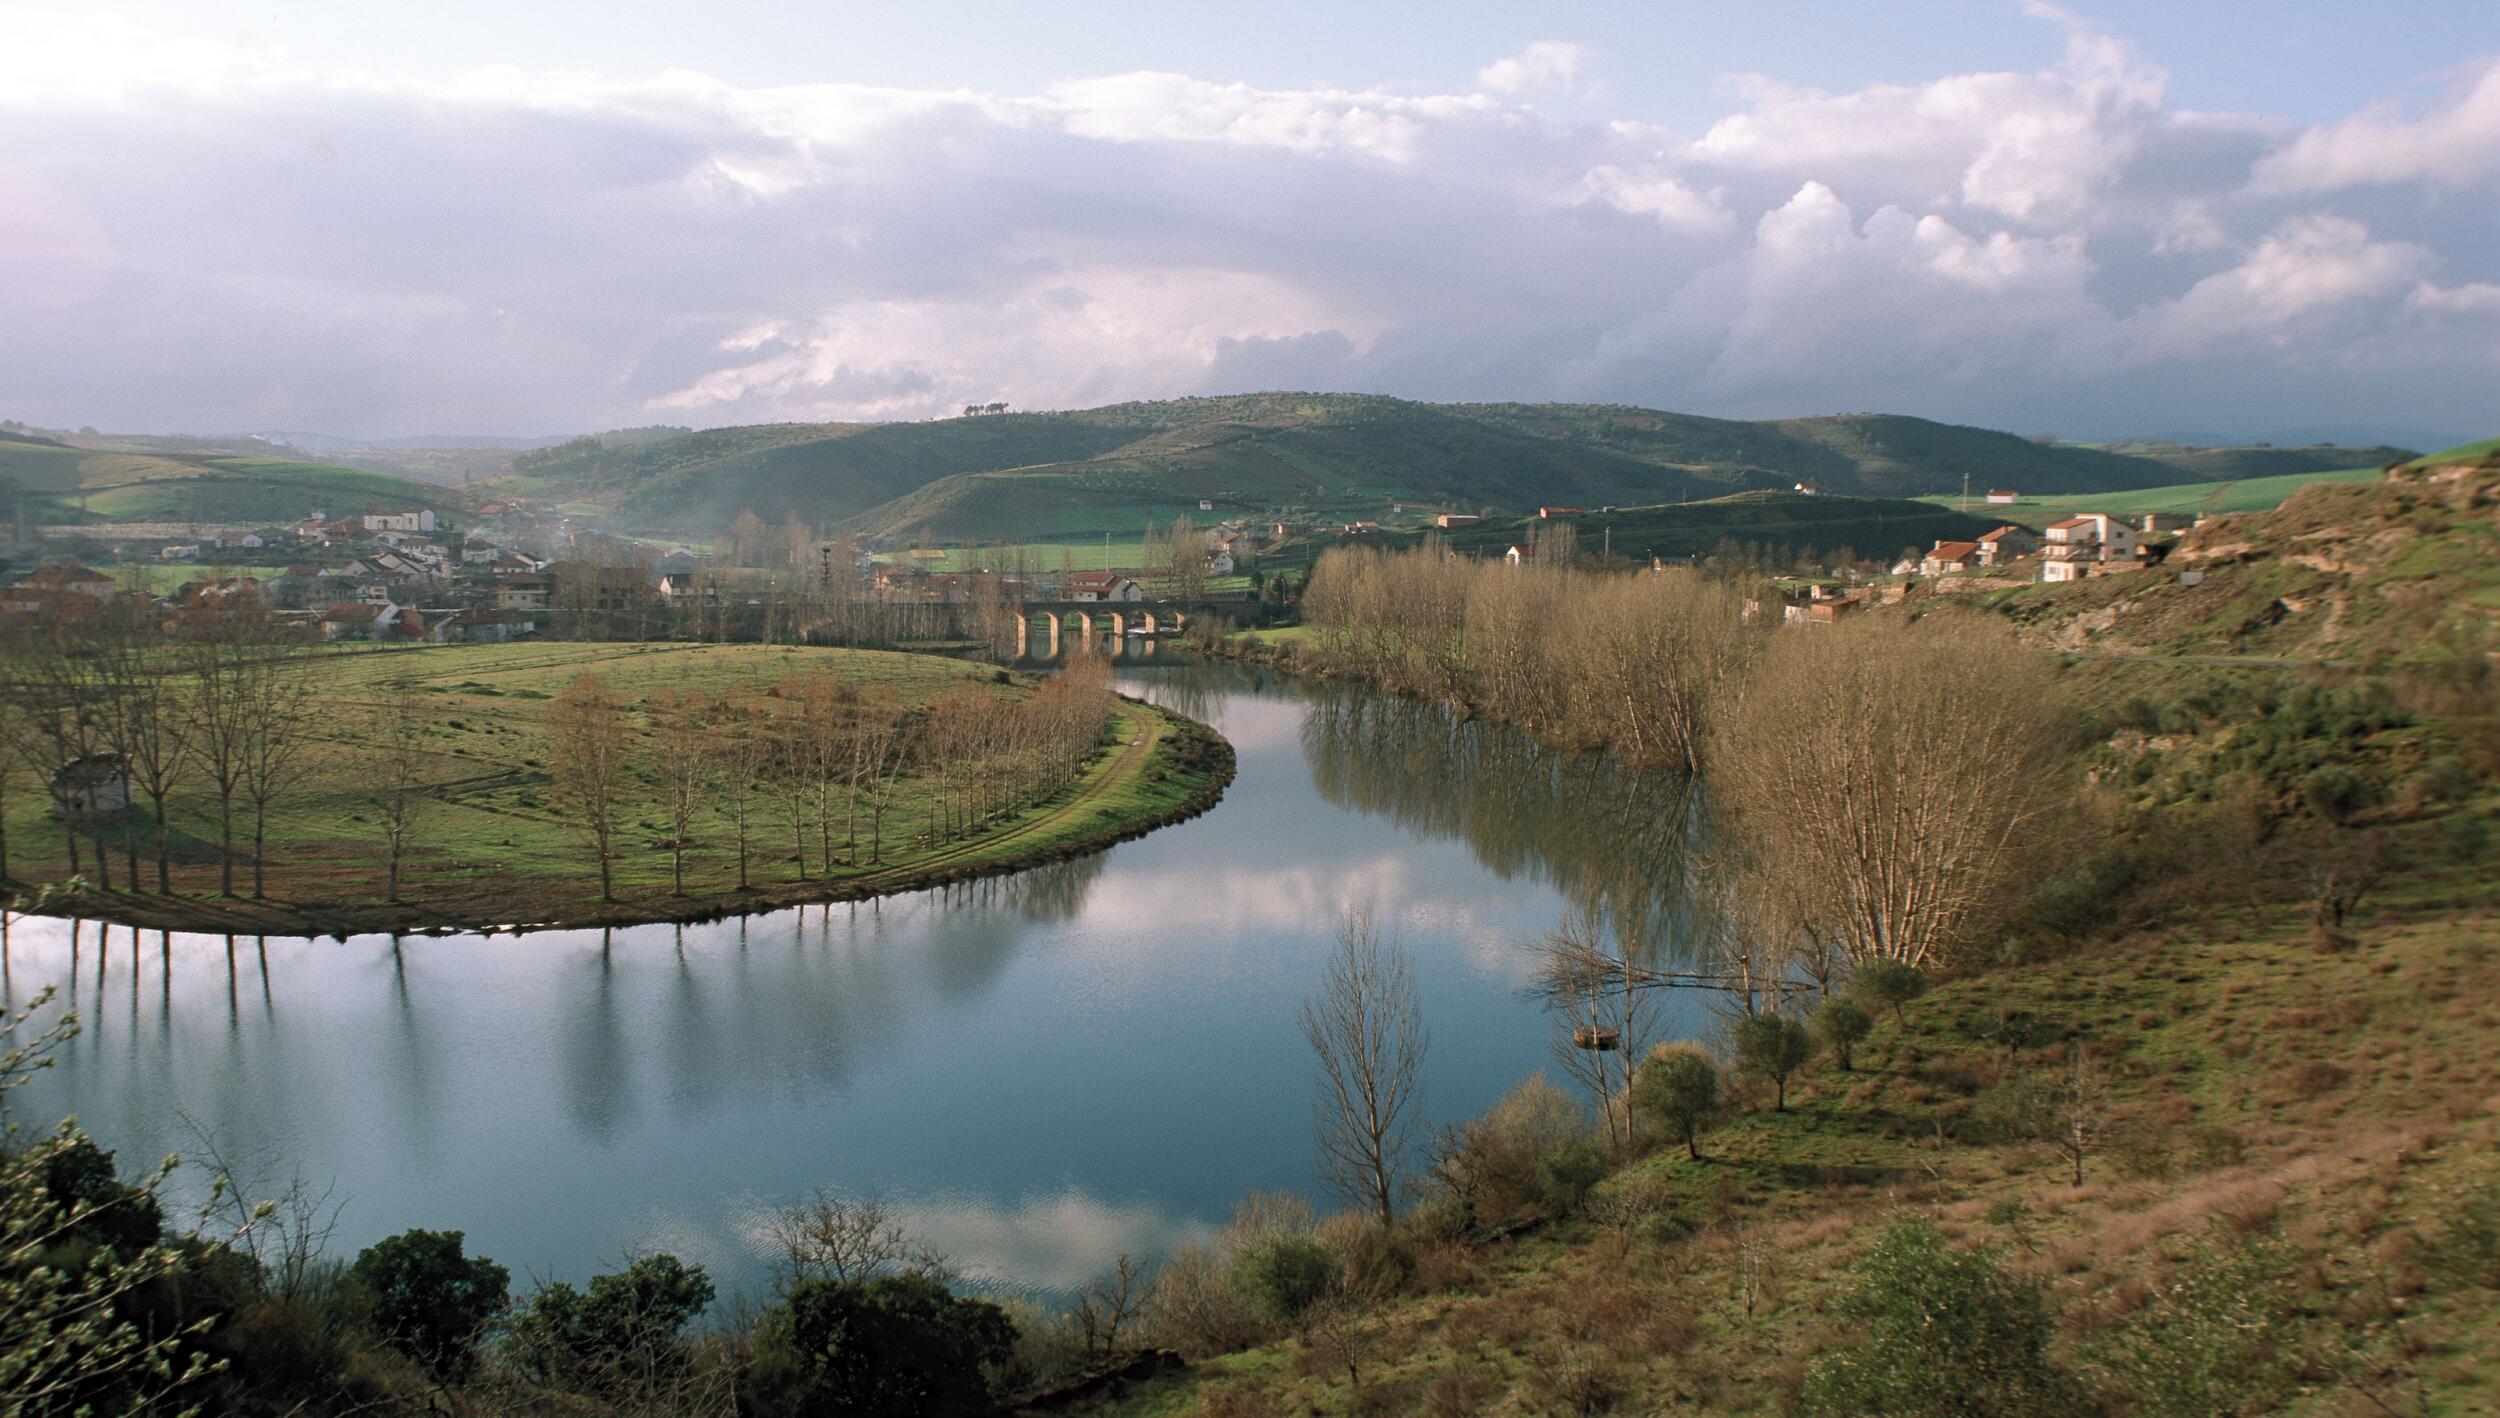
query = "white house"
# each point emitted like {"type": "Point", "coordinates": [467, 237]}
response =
{"type": "Point", "coordinates": [417, 520]}
{"type": "Point", "coordinates": [2069, 549]}
{"type": "Point", "coordinates": [2000, 497]}
{"type": "Point", "coordinates": [1101, 586]}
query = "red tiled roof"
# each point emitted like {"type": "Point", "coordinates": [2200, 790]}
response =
{"type": "Point", "coordinates": [2072, 522]}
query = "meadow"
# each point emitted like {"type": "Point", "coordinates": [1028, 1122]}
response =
{"type": "Point", "coordinates": [491, 844]}
{"type": "Point", "coordinates": [2182, 499]}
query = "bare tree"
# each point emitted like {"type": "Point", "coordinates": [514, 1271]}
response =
{"type": "Point", "coordinates": [1601, 1017]}
{"type": "Point", "coordinates": [685, 723]}
{"type": "Point", "coordinates": [278, 717]}
{"type": "Point", "coordinates": [1112, 1304]}
{"type": "Point", "coordinates": [2079, 1111]}
{"type": "Point", "coordinates": [844, 1240]}
{"type": "Point", "coordinates": [588, 726]}
{"type": "Point", "coordinates": [1366, 1026]}
{"type": "Point", "coordinates": [219, 660]}
{"type": "Point", "coordinates": [155, 729]}
{"type": "Point", "coordinates": [399, 789]}
{"type": "Point", "coordinates": [1883, 789]}
{"type": "Point", "coordinates": [740, 748]}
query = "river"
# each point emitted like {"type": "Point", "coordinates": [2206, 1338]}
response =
{"type": "Point", "coordinates": [1037, 1072]}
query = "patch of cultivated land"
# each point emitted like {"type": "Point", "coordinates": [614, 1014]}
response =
{"type": "Point", "coordinates": [492, 845]}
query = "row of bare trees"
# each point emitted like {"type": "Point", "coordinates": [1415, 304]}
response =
{"type": "Point", "coordinates": [1588, 659]}
{"type": "Point", "coordinates": [113, 724]}
{"type": "Point", "coordinates": [816, 761]}
{"type": "Point", "coordinates": [1874, 788]}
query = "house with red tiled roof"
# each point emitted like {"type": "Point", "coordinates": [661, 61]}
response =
{"type": "Point", "coordinates": [2005, 545]}
{"type": "Point", "coordinates": [1100, 586]}
{"type": "Point", "coordinates": [1949, 556]}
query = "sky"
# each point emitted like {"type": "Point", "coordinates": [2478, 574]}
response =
{"type": "Point", "coordinates": [2224, 220]}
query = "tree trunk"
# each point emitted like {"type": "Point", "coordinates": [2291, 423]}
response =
{"type": "Point", "coordinates": [260, 836]}
{"type": "Point", "coordinates": [225, 844]}
{"type": "Point", "coordinates": [164, 881]}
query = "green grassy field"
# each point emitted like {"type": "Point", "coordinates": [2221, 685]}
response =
{"type": "Point", "coordinates": [2183, 499]}
{"type": "Point", "coordinates": [490, 846]}
{"type": "Point", "coordinates": [2329, 1108]}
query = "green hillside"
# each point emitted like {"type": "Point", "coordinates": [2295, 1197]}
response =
{"type": "Point", "coordinates": [73, 484]}
{"type": "Point", "coordinates": [1870, 526]}
{"type": "Point", "coordinates": [1313, 457]}
{"type": "Point", "coordinates": [2184, 499]}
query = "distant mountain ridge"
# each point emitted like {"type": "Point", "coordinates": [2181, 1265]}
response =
{"type": "Point", "coordinates": [1081, 473]}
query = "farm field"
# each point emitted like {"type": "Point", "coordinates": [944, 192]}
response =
{"type": "Point", "coordinates": [490, 846]}
{"type": "Point", "coordinates": [2184, 499]}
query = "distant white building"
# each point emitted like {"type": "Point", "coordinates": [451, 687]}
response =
{"type": "Point", "coordinates": [2071, 548]}
{"type": "Point", "coordinates": [1101, 586]}
{"type": "Point", "coordinates": [1999, 497]}
{"type": "Point", "coordinates": [419, 520]}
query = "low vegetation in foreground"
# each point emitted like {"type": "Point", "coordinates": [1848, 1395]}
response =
{"type": "Point", "coordinates": [576, 783]}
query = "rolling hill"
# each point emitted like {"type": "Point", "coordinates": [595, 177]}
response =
{"type": "Point", "coordinates": [121, 481]}
{"type": "Point", "coordinates": [1078, 474]}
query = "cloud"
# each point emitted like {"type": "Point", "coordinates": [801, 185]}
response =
{"type": "Point", "coordinates": [2455, 146]}
{"type": "Point", "coordinates": [202, 237]}
{"type": "Point", "coordinates": [1544, 64]}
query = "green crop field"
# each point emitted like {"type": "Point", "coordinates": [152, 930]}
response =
{"type": "Point", "coordinates": [490, 844]}
{"type": "Point", "coordinates": [2185, 499]}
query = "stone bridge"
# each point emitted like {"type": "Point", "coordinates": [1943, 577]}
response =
{"type": "Point", "coordinates": [1114, 620]}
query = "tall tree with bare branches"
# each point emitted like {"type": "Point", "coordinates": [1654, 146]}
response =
{"type": "Point", "coordinates": [588, 726]}
{"type": "Point", "coordinates": [1366, 1027]}
{"type": "Point", "coordinates": [277, 707]}
{"type": "Point", "coordinates": [1883, 782]}
{"type": "Point", "coordinates": [398, 790]}
{"type": "Point", "coordinates": [684, 720]}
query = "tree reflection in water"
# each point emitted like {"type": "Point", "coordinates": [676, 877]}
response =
{"type": "Point", "coordinates": [1625, 846]}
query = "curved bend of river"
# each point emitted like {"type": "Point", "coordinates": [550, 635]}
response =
{"type": "Point", "coordinates": [1038, 1072]}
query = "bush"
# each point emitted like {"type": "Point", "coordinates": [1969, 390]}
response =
{"type": "Point", "coordinates": [1679, 1086]}
{"type": "Point", "coordinates": [1942, 1332]}
{"type": "Point", "coordinates": [2222, 1338]}
{"type": "Point", "coordinates": [626, 1332]}
{"type": "Point", "coordinates": [427, 1299]}
{"type": "Point", "coordinates": [2467, 1249]}
{"type": "Point", "coordinates": [1494, 1169]}
{"type": "Point", "coordinates": [1839, 1024]}
{"type": "Point", "coordinates": [894, 1347]}
{"type": "Point", "coordinates": [1889, 984]}
{"type": "Point", "coordinates": [1772, 1046]}
{"type": "Point", "coordinates": [1569, 1172]}
{"type": "Point", "coordinates": [1281, 1276]}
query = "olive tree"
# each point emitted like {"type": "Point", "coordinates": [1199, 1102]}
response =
{"type": "Point", "coordinates": [1773, 1046]}
{"type": "Point", "coordinates": [1679, 1086]}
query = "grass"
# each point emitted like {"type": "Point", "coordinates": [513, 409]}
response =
{"type": "Point", "coordinates": [2340, 1100]}
{"type": "Point", "coordinates": [2183, 499]}
{"type": "Point", "coordinates": [491, 848]}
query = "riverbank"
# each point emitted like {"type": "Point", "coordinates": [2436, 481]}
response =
{"type": "Point", "coordinates": [490, 847]}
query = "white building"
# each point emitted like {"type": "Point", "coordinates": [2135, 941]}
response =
{"type": "Point", "coordinates": [2070, 549]}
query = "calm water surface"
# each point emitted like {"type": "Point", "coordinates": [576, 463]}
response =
{"type": "Point", "coordinates": [1041, 1071]}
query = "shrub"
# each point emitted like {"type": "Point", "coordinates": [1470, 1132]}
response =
{"type": "Point", "coordinates": [1284, 1275]}
{"type": "Point", "coordinates": [627, 1330]}
{"type": "Point", "coordinates": [427, 1299]}
{"type": "Point", "coordinates": [1839, 1024]}
{"type": "Point", "coordinates": [1940, 1332]}
{"type": "Point", "coordinates": [1772, 1046]}
{"type": "Point", "coordinates": [1494, 1169]}
{"type": "Point", "coordinates": [890, 1347]}
{"type": "Point", "coordinates": [1679, 1086]}
{"type": "Point", "coordinates": [2467, 1249]}
{"type": "Point", "coordinates": [1889, 984]}
{"type": "Point", "coordinates": [2224, 1337]}
{"type": "Point", "coordinates": [1567, 1173]}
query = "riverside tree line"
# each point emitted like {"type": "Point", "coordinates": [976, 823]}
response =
{"type": "Point", "coordinates": [137, 736]}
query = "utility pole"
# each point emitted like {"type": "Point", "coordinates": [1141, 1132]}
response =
{"type": "Point", "coordinates": [1966, 490]}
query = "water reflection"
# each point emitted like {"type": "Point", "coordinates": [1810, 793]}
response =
{"type": "Point", "coordinates": [1043, 1070]}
